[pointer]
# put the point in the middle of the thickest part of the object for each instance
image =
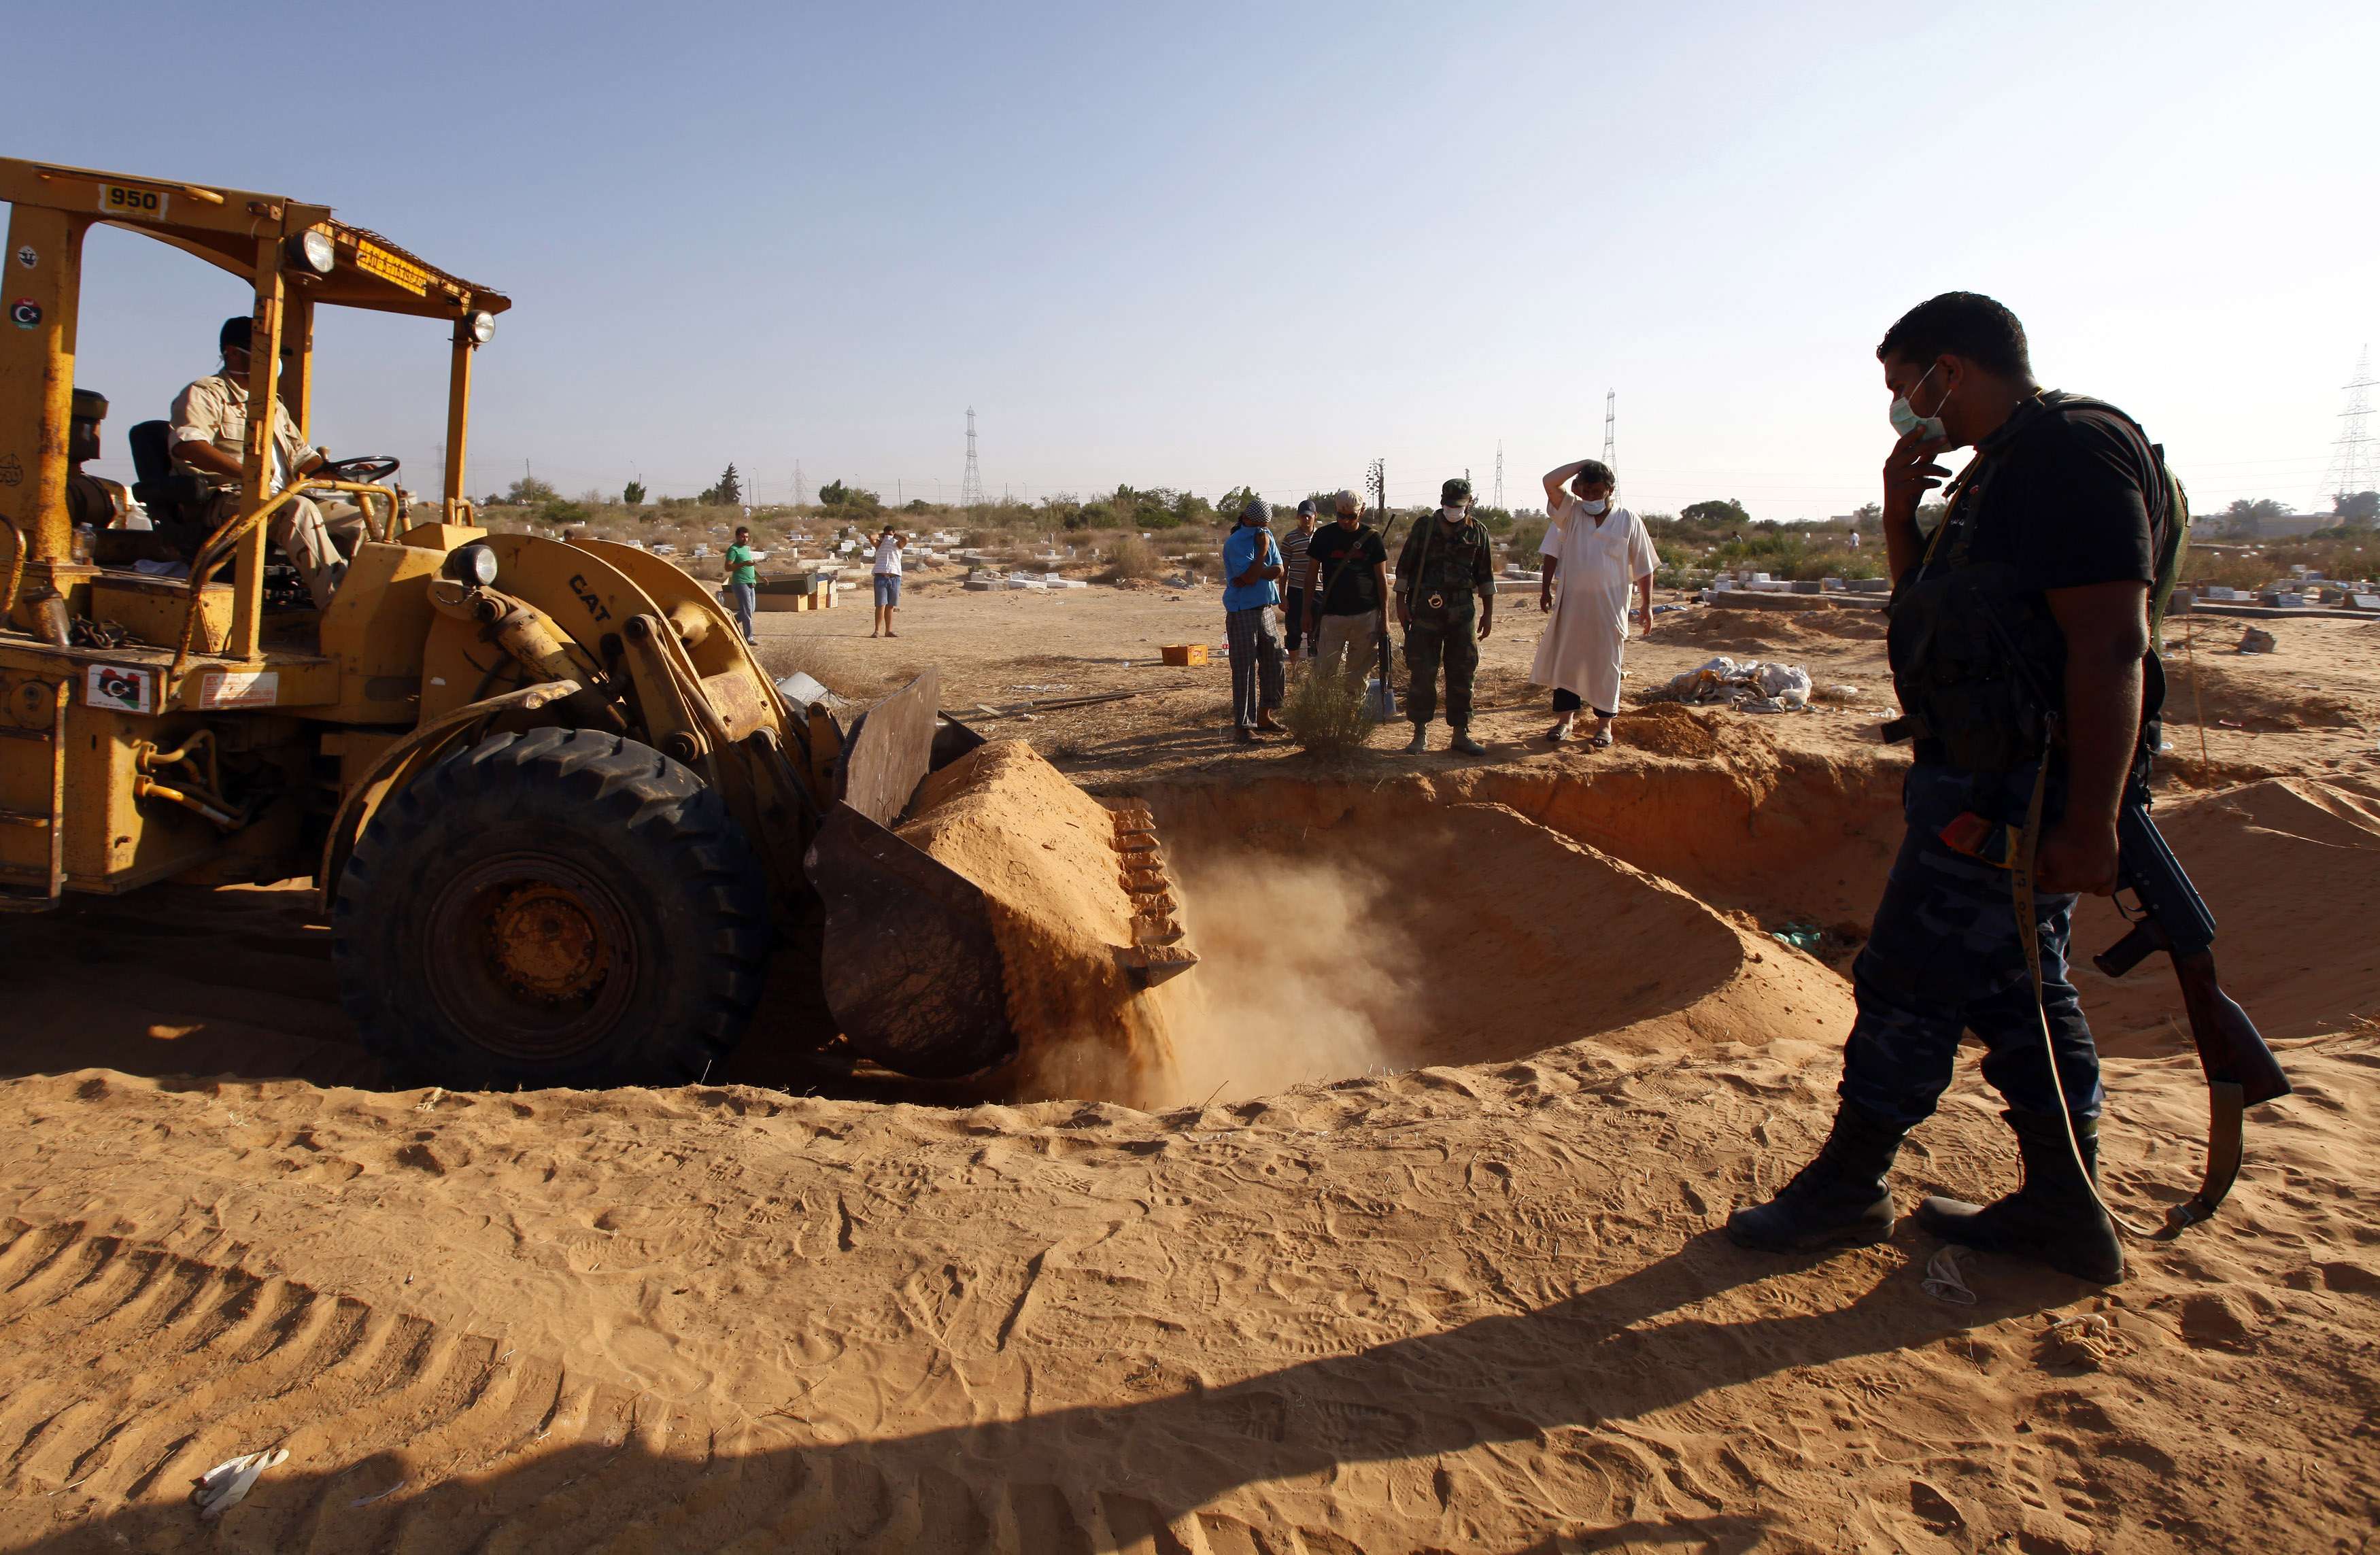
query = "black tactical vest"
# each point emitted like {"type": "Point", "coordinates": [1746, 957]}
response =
{"type": "Point", "coordinates": [1978, 661]}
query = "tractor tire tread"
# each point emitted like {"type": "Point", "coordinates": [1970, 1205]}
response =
{"type": "Point", "coordinates": [638, 793]}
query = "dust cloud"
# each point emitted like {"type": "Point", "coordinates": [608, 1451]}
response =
{"type": "Point", "coordinates": [1303, 975]}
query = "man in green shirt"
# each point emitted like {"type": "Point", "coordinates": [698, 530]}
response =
{"type": "Point", "coordinates": [744, 582]}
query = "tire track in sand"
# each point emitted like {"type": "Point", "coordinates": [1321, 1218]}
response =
{"type": "Point", "coordinates": [125, 1370]}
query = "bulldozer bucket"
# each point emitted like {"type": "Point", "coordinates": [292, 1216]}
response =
{"type": "Point", "coordinates": [911, 967]}
{"type": "Point", "coordinates": [979, 906]}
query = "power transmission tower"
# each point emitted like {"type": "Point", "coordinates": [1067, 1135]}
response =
{"type": "Point", "coordinates": [799, 499]}
{"type": "Point", "coordinates": [1499, 473]}
{"type": "Point", "coordinates": [971, 487]}
{"type": "Point", "coordinates": [1376, 479]}
{"type": "Point", "coordinates": [2351, 460]}
{"type": "Point", "coordinates": [1610, 424]}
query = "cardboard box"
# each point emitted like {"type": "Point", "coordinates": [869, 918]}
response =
{"type": "Point", "coordinates": [1186, 655]}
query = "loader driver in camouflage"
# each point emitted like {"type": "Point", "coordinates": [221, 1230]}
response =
{"type": "Point", "coordinates": [2019, 641]}
{"type": "Point", "coordinates": [209, 420]}
{"type": "Point", "coordinates": [1447, 565]}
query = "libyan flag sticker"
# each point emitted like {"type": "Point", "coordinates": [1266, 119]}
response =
{"type": "Point", "coordinates": [119, 689]}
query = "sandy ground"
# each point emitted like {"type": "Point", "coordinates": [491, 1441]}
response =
{"type": "Point", "coordinates": [1415, 1251]}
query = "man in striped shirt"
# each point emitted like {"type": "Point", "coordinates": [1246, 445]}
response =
{"type": "Point", "coordinates": [1292, 552]}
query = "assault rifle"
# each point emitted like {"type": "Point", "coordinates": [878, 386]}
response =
{"type": "Point", "coordinates": [2241, 1070]}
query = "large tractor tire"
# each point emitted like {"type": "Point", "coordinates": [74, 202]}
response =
{"type": "Point", "coordinates": [562, 907]}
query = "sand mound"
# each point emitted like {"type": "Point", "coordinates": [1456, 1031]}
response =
{"type": "Point", "coordinates": [2259, 694]}
{"type": "Point", "coordinates": [1668, 729]}
{"type": "Point", "coordinates": [1044, 853]}
{"type": "Point", "coordinates": [1730, 630]}
{"type": "Point", "coordinates": [2290, 869]}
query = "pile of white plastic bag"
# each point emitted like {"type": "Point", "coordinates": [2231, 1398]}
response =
{"type": "Point", "coordinates": [1746, 684]}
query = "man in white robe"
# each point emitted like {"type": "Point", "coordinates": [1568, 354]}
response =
{"type": "Point", "coordinates": [1603, 557]}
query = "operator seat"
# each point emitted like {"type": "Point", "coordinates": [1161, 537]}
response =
{"type": "Point", "coordinates": [177, 500]}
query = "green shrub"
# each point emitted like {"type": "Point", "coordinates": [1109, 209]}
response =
{"type": "Point", "coordinates": [1324, 714]}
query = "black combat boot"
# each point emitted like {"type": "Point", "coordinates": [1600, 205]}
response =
{"type": "Point", "coordinates": [1838, 1200]}
{"type": "Point", "coordinates": [1465, 744]}
{"type": "Point", "coordinates": [2054, 1219]}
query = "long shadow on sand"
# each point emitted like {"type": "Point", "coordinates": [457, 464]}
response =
{"type": "Point", "coordinates": [179, 981]}
{"type": "Point", "coordinates": [1119, 1476]}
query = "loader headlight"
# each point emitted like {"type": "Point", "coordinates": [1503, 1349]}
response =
{"type": "Point", "coordinates": [473, 564]}
{"type": "Point", "coordinates": [482, 327]}
{"type": "Point", "coordinates": [312, 252]}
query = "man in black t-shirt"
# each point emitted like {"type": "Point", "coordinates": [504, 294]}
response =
{"type": "Point", "coordinates": [2034, 589]}
{"type": "Point", "coordinates": [1346, 580]}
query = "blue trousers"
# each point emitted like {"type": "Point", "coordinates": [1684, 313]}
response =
{"type": "Point", "coordinates": [1944, 959]}
{"type": "Point", "coordinates": [747, 599]}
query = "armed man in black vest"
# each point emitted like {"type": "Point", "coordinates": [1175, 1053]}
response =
{"type": "Point", "coordinates": [2021, 649]}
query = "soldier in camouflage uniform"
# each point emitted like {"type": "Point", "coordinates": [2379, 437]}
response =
{"type": "Point", "coordinates": [1447, 564]}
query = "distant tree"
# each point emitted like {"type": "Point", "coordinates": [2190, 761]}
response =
{"type": "Point", "coordinates": [1155, 508]}
{"type": "Point", "coordinates": [1230, 504]}
{"type": "Point", "coordinates": [2359, 507]}
{"type": "Point", "coordinates": [834, 493]}
{"type": "Point", "coordinates": [633, 495]}
{"type": "Point", "coordinates": [529, 492]}
{"type": "Point", "coordinates": [1715, 512]}
{"type": "Point", "coordinates": [2247, 517]}
{"type": "Point", "coordinates": [917, 504]}
{"type": "Point", "coordinates": [727, 493]}
{"type": "Point", "coordinates": [562, 511]}
{"type": "Point", "coordinates": [1498, 520]}
{"type": "Point", "coordinates": [1866, 516]}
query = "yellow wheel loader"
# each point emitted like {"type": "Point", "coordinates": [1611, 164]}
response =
{"type": "Point", "coordinates": [565, 829]}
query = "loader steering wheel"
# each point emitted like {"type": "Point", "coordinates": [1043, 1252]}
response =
{"type": "Point", "coordinates": [365, 470]}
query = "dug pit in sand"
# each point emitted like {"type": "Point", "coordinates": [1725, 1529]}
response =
{"type": "Point", "coordinates": [1336, 936]}
{"type": "Point", "coordinates": [1343, 931]}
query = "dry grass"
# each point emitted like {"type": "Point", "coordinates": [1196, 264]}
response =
{"type": "Point", "coordinates": [846, 670]}
{"type": "Point", "coordinates": [1130, 557]}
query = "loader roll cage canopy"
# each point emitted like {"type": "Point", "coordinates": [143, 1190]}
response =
{"type": "Point", "coordinates": [294, 256]}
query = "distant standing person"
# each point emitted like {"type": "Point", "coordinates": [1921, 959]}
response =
{"type": "Point", "coordinates": [744, 583]}
{"type": "Point", "coordinates": [887, 574]}
{"type": "Point", "coordinates": [1446, 602]}
{"type": "Point", "coordinates": [1602, 556]}
{"type": "Point", "coordinates": [1293, 556]}
{"type": "Point", "coordinates": [1346, 581]}
{"type": "Point", "coordinates": [1252, 571]}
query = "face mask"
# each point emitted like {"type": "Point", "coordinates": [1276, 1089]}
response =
{"type": "Point", "coordinates": [1594, 509]}
{"type": "Point", "coordinates": [1906, 420]}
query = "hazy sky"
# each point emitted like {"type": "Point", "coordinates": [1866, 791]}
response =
{"type": "Point", "coordinates": [1205, 245]}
